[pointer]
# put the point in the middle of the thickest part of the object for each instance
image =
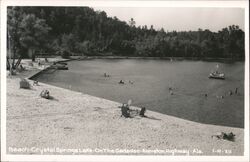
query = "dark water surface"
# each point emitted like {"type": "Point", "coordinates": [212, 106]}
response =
{"type": "Point", "coordinates": [151, 81]}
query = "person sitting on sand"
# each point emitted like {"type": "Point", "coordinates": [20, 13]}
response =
{"type": "Point", "coordinates": [142, 112]}
{"type": "Point", "coordinates": [131, 82]}
{"type": "Point", "coordinates": [45, 94]}
{"type": "Point", "coordinates": [125, 110]}
{"type": "Point", "coordinates": [35, 82]}
{"type": "Point", "coordinates": [22, 68]}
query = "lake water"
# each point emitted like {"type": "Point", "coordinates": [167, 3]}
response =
{"type": "Point", "coordinates": [151, 81]}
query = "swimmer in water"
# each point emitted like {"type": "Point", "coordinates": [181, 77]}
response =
{"type": "Point", "coordinates": [121, 82]}
{"type": "Point", "coordinates": [236, 90]}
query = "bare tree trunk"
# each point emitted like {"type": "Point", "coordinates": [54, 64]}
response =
{"type": "Point", "coordinates": [18, 62]}
{"type": "Point", "coordinates": [14, 58]}
{"type": "Point", "coordinates": [32, 54]}
{"type": "Point", "coordinates": [8, 63]}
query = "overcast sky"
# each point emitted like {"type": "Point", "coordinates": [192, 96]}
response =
{"type": "Point", "coordinates": [180, 19]}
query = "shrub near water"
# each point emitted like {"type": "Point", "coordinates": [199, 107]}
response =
{"type": "Point", "coordinates": [24, 84]}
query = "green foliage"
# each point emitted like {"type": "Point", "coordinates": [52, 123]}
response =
{"type": "Point", "coordinates": [33, 32]}
{"type": "Point", "coordinates": [26, 32]}
{"type": "Point", "coordinates": [83, 31]}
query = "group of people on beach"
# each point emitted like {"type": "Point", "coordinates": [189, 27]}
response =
{"type": "Point", "coordinates": [126, 111]}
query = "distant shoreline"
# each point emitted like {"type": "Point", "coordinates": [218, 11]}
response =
{"type": "Point", "coordinates": [155, 58]}
{"type": "Point", "coordinates": [74, 58]}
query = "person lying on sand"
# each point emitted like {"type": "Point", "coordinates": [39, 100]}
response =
{"type": "Point", "coordinates": [226, 136]}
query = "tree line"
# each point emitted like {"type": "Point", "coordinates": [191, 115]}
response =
{"type": "Point", "coordinates": [82, 31]}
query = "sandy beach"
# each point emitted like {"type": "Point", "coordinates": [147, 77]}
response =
{"type": "Point", "coordinates": [73, 120]}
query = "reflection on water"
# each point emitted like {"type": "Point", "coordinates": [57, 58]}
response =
{"type": "Point", "coordinates": [149, 82]}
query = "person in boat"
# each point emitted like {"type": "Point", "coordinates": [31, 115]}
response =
{"type": "Point", "coordinates": [121, 82]}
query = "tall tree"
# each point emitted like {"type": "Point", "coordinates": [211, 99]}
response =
{"type": "Point", "coordinates": [34, 32]}
{"type": "Point", "coordinates": [14, 18]}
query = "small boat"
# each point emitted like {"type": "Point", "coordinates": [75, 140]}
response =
{"type": "Point", "coordinates": [217, 75]}
{"type": "Point", "coordinates": [60, 67]}
{"type": "Point", "coordinates": [62, 63]}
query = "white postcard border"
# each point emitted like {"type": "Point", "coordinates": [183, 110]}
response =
{"type": "Point", "coordinates": [5, 3]}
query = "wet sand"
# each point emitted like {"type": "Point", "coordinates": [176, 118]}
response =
{"type": "Point", "coordinates": [73, 120]}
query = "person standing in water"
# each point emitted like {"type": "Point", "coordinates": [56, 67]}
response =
{"type": "Point", "coordinates": [236, 90]}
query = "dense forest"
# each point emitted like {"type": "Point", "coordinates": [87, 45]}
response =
{"type": "Point", "coordinates": [82, 31]}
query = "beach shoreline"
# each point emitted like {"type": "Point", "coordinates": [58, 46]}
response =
{"type": "Point", "coordinates": [219, 59]}
{"type": "Point", "coordinates": [77, 120]}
